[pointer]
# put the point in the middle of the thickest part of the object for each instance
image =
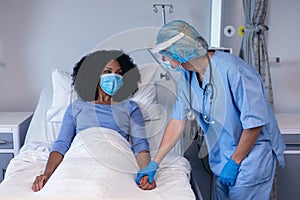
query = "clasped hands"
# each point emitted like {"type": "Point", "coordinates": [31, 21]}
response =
{"type": "Point", "coordinates": [145, 177]}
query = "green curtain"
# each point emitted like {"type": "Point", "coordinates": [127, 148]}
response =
{"type": "Point", "coordinates": [254, 50]}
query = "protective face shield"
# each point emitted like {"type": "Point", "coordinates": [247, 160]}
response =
{"type": "Point", "coordinates": [111, 83]}
{"type": "Point", "coordinates": [179, 41]}
{"type": "Point", "coordinates": [157, 52]}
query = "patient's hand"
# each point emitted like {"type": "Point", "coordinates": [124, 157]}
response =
{"type": "Point", "coordinates": [146, 185]}
{"type": "Point", "coordinates": [39, 182]}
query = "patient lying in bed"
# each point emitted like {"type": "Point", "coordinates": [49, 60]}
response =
{"type": "Point", "coordinates": [101, 80]}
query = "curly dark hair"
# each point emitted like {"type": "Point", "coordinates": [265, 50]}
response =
{"type": "Point", "coordinates": [88, 69]}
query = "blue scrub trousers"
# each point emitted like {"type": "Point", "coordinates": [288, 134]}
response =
{"type": "Point", "coordinates": [259, 191]}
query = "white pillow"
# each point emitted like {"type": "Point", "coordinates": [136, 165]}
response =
{"type": "Point", "coordinates": [62, 95]}
{"type": "Point", "coordinates": [146, 95]}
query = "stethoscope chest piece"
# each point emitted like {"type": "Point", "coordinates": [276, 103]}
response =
{"type": "Point", "coordinates": [190, 116]}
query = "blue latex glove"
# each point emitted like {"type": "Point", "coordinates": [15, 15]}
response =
{"type": "Point", "coordinates": [229, 173]}
{"type": "Point", "coordinates": [149, 171]}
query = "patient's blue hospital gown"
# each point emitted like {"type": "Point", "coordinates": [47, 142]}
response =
{"type": "Point", "coordinates": [239, 103]}
{"type": "Point", "coordinates": [124, 117]}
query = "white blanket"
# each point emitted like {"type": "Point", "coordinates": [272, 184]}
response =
{"type": "Point", "coordinates": [99, 165]}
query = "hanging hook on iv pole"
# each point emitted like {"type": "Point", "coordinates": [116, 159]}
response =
{"type": "Point", "coordinates": [163, 12]}
{"type": "Point", "coordinates": [155, 9]}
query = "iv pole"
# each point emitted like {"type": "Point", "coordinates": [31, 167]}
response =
{"type": "Point", "coordinates": [163, 12]}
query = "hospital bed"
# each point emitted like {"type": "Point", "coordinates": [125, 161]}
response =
{"type": "Point", "coordinates": [97, 167]}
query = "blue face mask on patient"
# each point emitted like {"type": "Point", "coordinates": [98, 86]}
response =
{"type": "Point", "coordinates": [111, 83]}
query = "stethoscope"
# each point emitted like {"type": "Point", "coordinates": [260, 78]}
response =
{"type": "Point", "coordinates": [209, 86]}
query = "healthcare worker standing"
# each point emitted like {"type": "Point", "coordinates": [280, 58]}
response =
{"type": "Point", "coordinates": [229, 103]}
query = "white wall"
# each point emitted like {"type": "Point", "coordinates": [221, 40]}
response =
{"type": "Point", "coordinates": [36, 36]}
{"type": "Point", "coordinates": [232, 15]}
{"type": "Point", "coordinates": [284, 30]}
{"type": "Point", "coordinates": [283, 41]}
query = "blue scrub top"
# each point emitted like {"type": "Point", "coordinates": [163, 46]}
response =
{"type": "Point", "coordinates": [124, 117]}
{"type": "Point", "coordinates": [239, 103]}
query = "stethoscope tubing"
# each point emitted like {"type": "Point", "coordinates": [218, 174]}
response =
{"type": "Point", "coordinates": [206, 116]}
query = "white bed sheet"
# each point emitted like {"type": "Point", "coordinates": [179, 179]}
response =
{"type": "Point", "coordinates": [172, 180]}
{"type": "Point", "coordinates": [93, 171]}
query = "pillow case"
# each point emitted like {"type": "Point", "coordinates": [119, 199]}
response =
{"type": "Point", "coordinates": [146, 96]}
{"type": "Point", "coordinates": [62, 95]}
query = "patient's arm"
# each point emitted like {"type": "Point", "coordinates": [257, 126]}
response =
{"type": "Point", "coordinates": [54, 160]}
{"type": "Point", "coordinates": [143, 159]}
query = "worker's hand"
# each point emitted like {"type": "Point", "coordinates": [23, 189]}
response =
{"type": "Point", "coordinates": [145, 184]}
{"type": "Point", "coordinates": [39, 182]}
{"type": "Point", "coordinates": [149, 171]}
{"type": "Point", "coordinates": [229, 173]}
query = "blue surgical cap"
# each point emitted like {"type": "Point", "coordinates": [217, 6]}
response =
{"type": "Point", "coordinates": [188, 47]}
